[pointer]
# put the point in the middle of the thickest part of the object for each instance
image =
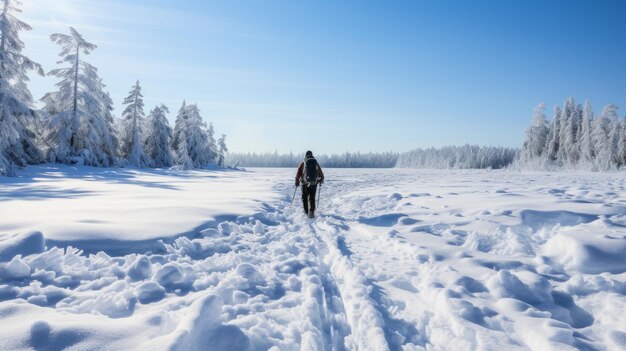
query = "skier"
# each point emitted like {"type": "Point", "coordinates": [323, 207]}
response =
{"type": "Point", "coordinates": [309, 175]}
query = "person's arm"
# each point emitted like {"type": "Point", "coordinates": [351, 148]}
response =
{"type": "Point", "coordinates": [321, 174]}
{"type": "Point", "coordinates": [299, 173]}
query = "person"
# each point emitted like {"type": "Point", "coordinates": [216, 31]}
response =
{"type": "Point", "coordinates": [309, 175]}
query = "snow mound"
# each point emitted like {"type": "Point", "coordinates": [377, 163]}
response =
{"type": "Point", "coordinates": [203, 329]}
{"type": "Point", "coordinates": [541, 219]}
{"type": "Point", "coordinates": [16, 269]}
{"type": "Point", "coordinates": [524, 286]}
{"type": "Point", "coordinates": [21, 244]}
{"type": "Point", "coordinates": [586, 249]}
{"type": "Point", "coordinates": [172, 276]}
{"type": "Point", "coordinates": [149, 292]}
{"type": "Point", "coordinates": [140, 269]}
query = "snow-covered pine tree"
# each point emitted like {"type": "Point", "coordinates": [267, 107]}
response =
{"type": "Point", "coordinates": [18, 145]}
{"type": "Point", "coordinates": [553, 146]}
{"type": "Point", "coordinates": [109, 133]}
{"type": "Point", "coordinates": [587, 152]}
{"type": "Point", "coordinates": [601, 137]}
{"type": "Point", "coordinates": [183, 159]}
{"type": "Point", "coordinates": [198, 146]}
{"type": "Point", "coordinates": [178, 135]}
{"type": "Point", "coordinates": [82, 125]}
{"type": "Point", "coordinates": [614, 138]}
{"type": "Point", "coordinates": [222, 150]}
{"type": "Point", "coordinates": [212, 145]}
{"type": "Point", "coordinates": [622, 144]}
{"type": "Point", "coordinates": [567, 132]}
{"type": "Point", "coordinates": [132, 125]}
{"type": "Point", "coordinates": [190, 141]}
{"type": "Point", "coordinates": [573, 133]}
{"type": "Point", "coordinates": [536, 136]}
{"type": "Point", "coordinates": [158, 137]}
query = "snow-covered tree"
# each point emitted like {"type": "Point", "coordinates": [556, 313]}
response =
{"type": "Point", "coordinates": [587, 153]}
{"type": "Point", "coordinates": [553, 146]}
{"type": "Point", "coordinates": [536, 135]}
{"type": "Point", "coordinates": [109, 134]}
{"type": "Point", "coordinates": [182, 158]}
{"type": "Point", "coordinates": [81, 131]}
{"type": "Point", "coordinates": [621, 153]}
{"type": "Point", "coordinates": [569, 126]}
{"type": "Point", "coordinates": [573, 126]}
{"type": "Point", "coordinates": [614, 139]}
{"type": "Point", "coordinates": [600, 136]}
{"type": "Point", "coordinates": [178, 136]}
{"type": "Point", "coordinates": [198, 146]}
{"type": "Point", "coordinates": [211, 144]}
{"type": "Point", "coordinates": [190, 141]}
{"type": "Point", "coordinates": [222, 150]}
{"type": "Point", "coordinates": [18, 145]}
{"type": "Point", "coordinates": [132, 128]}
{"type": "Point", "coordinates": [158, 137]}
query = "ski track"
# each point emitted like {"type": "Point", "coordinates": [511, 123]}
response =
{"type": "Point", "coordinates": [347, 280]}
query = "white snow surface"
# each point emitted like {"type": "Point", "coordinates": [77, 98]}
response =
{"type": "Point", "coordinates": [97, 208]}
{"type": "Point", "coordinates": [395, 260]}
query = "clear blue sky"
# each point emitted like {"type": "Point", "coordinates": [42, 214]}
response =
{"type": "Point", "coordinates": [334, 76]}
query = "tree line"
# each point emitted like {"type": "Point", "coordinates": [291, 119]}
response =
{"type": "Point", "coordinates": [458, 157]}
{"type": "Point", "coordinates": [575, 138]}
{"type": "Point", "coordinates": [344, 160]}
{"type": "Point", "coordinates": [447, 157]}
{"type": "Point", "coordinates": [77, 124]}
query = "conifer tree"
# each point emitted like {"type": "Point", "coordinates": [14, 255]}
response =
{"type": "Point", "coordinates": [158, 138]}
{"type": "Point", "coordinates": [132, 128]}
{"type": "Point", "coordinates": [212, 145]}
{"type": "Point", "coordinates": [18, 144]}
{"type": "Point", "coordinates": [81, 131]}
{"type": "Point", "coordinates": [587, 153]}
{"type": "Point", "coordinates": [190, 142]}
{"type": "Point", "coordinates": [553, 146]}
{"type": "Point", "coordinates": [222, 150]}
{"type": "Point", "coordinates": [600, 136]}
{"type": "Point", "coordinates": [198, 147]}
{"type": "Point", "coordinates": [536, 135]}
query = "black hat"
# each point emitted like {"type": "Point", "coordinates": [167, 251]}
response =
{"type": "Point", "coordinates": [309, 153]}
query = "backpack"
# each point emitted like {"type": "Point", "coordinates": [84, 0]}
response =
{"type": "Point", "coordinates": [309, 176]}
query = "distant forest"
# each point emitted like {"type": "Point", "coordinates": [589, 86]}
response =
{"type": "Point", "coordinates": [575, 138]}
{"type": "Point", "coordinates": [449, 157]}
{"type": "Point", "coordinates": [345, 160]}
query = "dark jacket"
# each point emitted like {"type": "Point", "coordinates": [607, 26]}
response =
{"type": "Point", "coordinates": [300, 172]}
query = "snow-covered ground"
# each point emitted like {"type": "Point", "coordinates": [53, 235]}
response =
{"type": "Point", "coordinates": [397, 259]}
{"type": "Point", "coordinates": [96, 208]}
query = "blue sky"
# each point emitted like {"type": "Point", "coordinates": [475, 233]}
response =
{"type": "Point", "coordinates": [336, 76]}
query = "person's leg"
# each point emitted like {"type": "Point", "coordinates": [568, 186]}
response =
{"type": "Point", "coordinates": [312, 193]}
{"type": "Point", "coordinates": [305, 199]}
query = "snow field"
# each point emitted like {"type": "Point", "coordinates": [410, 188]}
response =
{"type": "Point", "coordinates": [495, 277]}
{"type": "Point", "coordinates": [396, 260]}
{"type": "Point", "coordinates": [99, 209]}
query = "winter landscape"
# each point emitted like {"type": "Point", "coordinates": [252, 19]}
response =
{"type": "Point", "coordinates": [128, 221]}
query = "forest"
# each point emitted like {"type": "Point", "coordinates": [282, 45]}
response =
{"type": "Point", "coordinates": [575, 138]}
{"type": "Point", "coordinates": [76, 124]}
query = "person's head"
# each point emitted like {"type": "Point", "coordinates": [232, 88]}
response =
{"type": "Point", "coordinates": [308, 154]}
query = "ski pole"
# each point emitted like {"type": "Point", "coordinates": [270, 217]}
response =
{"type": "Point", "coordinates": [295, 188]}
